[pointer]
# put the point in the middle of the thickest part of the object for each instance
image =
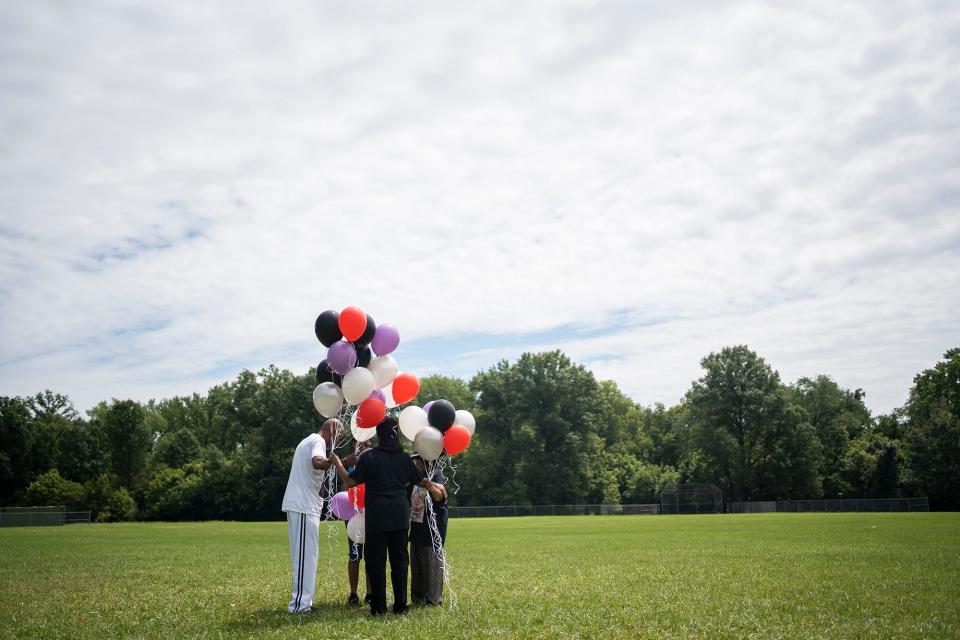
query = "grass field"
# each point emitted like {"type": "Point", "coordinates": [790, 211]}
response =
{"type": "Point", "coordinates": [772, 576]}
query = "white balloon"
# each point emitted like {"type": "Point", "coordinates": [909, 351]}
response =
{"type": "Point", "coordinates": [357, 528]}
{"type": "Point", "coordinates": [465, 418]}
{"type": "Point", "coordinates": [384, 370]}
{"type": "Point", "coordinates": [360, 434]}
{"type": "Point", "coordinates": [412, 419]}
{"type": "Point", "coordinates": [388, 394]}
{"type": "Point", "coordinates": [429, 443]}
{"type": "Point", "coordinates": [357, 385]}
{"type": "Point", "coordinates": [327, 399]}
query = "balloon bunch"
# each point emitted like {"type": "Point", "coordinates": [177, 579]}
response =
{"type": "Point", "coordinates": [359, 370]}
{"type": "Point", "coordinates": [348, 505]}
{"type": "Point", "coordinates": [358, 379]}
{"type": "Point", "coordinates": [437, 428]}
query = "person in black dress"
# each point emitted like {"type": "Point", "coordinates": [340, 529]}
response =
{"type": "Point", "coordinates": [388, 471]}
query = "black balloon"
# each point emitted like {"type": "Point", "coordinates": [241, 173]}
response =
{"type": "Point", "coordinates": [442, 414]}
{"type": "Point", "coordinates": [364, 355]}
{"type": "Point", "coordinates": [324, 374]}
{"type": "Point", "coordinates": [327, 327]}
{"type": "Point", "coordinates": [368, 333]}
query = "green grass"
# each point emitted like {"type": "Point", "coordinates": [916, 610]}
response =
{"type": "Point", "coordinates": [770, 576]}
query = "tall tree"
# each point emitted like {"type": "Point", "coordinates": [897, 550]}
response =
{"type": "Point", "coordinates": [536, 415]}
{"type": "Point", "coordinates": [437, 387]}
{"type": "Point", "coordinates": [933, 431]}
{"type": "Point", "coordinates": [839, 418]}
{"type": "Point", "coordinates": [126, 437]}
{"type": "Point", "coordinates": [743, 430]}
{"type": "Point", "coordinates": [16, 441]}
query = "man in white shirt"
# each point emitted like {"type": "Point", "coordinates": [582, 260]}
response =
{"type": "Point", "coordinates": [303, 505]}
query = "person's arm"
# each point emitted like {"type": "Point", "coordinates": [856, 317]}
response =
{"type": "Point", "coordinates": [342, 471]}
{"type": "Point", "coordinates": [318, 456]}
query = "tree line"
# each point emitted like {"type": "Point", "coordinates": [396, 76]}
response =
{"type": "Point", "coordinates": [548, 432]}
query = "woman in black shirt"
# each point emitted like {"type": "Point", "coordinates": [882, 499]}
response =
{"type": "Point", "coordinates": [387, 471]}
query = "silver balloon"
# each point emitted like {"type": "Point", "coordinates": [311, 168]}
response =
{"type": "Point", "coordinates": [428, 443]}
{"type": "Point", "coordinates": [466, 418]}
{"type": "Point", "coordinates": [327, 399]}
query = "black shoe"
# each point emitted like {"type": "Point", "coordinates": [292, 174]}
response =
{"type": "Point", "coordinates": [367, 598]}
{"type": "Point", "coordinates": [353, 599]}
{"type": "Point", "coordinates": [401, 611]}
{"type": "Point", "coordinates": [378, 612]}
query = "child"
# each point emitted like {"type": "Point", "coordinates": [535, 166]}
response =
{"type": "Point", "coordinates": [426, 567]}
{"type": "Point", "coordinates": [355, 550]}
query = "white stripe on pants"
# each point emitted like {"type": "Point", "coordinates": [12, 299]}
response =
{"type": "Point", "coordinates": [303, 529]}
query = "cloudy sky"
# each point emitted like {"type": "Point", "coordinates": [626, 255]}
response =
{"type": "Point", "coordinates": [184, 188]}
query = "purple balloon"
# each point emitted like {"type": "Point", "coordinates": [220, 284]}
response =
{"type": "Point", "coordinates": [426, 407]}
{"type": "Point", "coordinates": [376, 393]}
{"type": "Point", "coordinates": [341, 357]}
{"type": "Point", "coordinates": [385, 340]}
{"type": "Point", "coordinates": [341, 506]}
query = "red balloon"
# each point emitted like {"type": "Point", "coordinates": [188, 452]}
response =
{"type": "Point", "coordinates": [352, 323]}
{"type": "Point", "coordinates": [456, 439]}
{"type": "Point", "coordinates": [370, 413]}
{"type": "Point", "coordinates": [405, 388]}
{"type": "Point", "coordinates": [358, 495]}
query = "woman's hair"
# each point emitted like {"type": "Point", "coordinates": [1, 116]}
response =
{"type": "Point", "coordinates": [387, 434]}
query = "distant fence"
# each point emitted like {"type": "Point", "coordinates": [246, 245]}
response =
{"type": "Point", "coordinates": [831, 506]}
{"type": "Point", "coordinates": [555, 510]}
{"type": "Point", "coordinates": [771, 506]}
{"type": "Point", "coordinates": [41, 517]}
{"type": "Point", "coordinates": [691, 498]}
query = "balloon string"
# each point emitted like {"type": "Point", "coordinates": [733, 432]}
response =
{"type": "Point", "coordinates": [330, 482]}
{"type": "Point", "coordinates": [438, 550]}
{"type": "Point", "coordinates": [447, 461]}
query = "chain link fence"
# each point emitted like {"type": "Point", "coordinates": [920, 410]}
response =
{"type": "Point", "coordinates": [831, 506]}
{"type": "Point", "coordinates": [555, 510]}
{"type": "Point", "coordinates": [41, 517]}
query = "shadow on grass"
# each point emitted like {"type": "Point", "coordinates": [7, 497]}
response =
{"type": "Point", "coordinates": [267, 619]}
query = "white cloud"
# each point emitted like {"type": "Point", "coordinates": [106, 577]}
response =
{"type": "Point", "coordinates": [183, 189]}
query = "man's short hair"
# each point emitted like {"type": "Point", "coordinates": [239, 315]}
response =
{"type": "Point", "coordinates": [333, 423]}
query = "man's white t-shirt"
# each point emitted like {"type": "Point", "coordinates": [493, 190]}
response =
{"type": "Point", "coordinates": [303, 486]}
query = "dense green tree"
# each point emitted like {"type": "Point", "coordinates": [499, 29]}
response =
{"type": "Point", "coordinates": [118, 508]}
{"type": "Point", "coordinates": [127, 438]}
{"type": "Point", "coordinates": [536, 415]}
{"type": "Point", "coordinates": [743, 430]}
{"type": "Point", "coordinates": [16, 441]}
{"type": "Point", "coordinates": [839, 418]}
{"type": "Point", "coordinates": [933, 431]}
{"type": "Point", "coordinates": [548, 432]}
{"type": "Point", "coordinates": [437, 387]}
{"type": "Point", "coordinates": [50, 489]}
{"type": "Point", "coordinates": [97, 492]}
{"type": "Point", "coordinates": [176, 448]}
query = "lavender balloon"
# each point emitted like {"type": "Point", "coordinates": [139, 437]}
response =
{"type": "Point", "coordinates": [385, 340]}
{"type": "Point", "coordinates": [376, 393]}
{"type": "Point", "coordinates": [341, 506]}
{"type": "Point", "coordinates": [426, 407]}
{"type": "Point", "coordinates": [341, 357]}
